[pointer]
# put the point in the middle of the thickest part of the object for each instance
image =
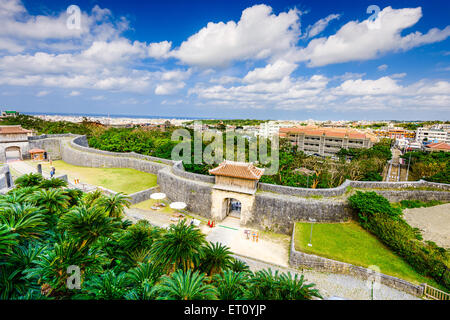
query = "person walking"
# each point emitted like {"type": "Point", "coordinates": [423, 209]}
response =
{"type": "Point", "coordinates": [52, 172]}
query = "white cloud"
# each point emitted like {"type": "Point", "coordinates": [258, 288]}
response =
{"type": "Point", "coordinates": [42, 93]}
{"type": "Point", "coordinates": [74, 93]}
{"type": "Point", "coordinates": [225, 80]}
{"type": "Point", "coordinates": [320, 25]}
{"type": "Point", "coordinates": [98, 98]}
{"type": "Point", "coordinates": [382, 67]}
{"type": "Point", "coordinates": [258, 34]}
{"type": "Point", "coordinates": [270, 72]}
{"type": "Point", "coordinates": [384, 85]}
{"type": "Point", "coordinates": [167, 88]}
{"type": "Point", "coordinates": [176, 75]}
{"type": "Point", "coordinates": [159, 49]}
{"type": "Point", "coordinates": [362, 41]}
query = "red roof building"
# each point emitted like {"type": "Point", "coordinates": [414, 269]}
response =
{"type": "Point", "coordinates": [439, 146]}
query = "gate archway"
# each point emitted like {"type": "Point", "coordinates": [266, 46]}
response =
{"type": "Point", "coordinates": [13, 153]}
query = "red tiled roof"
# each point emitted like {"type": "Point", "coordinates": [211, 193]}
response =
{"type": "Point", "coordinates": [439, 146]}
{"type": "Point", "coordinates": [36, 151]}
{"type": "Point", "coordinates": [13, 129]}
{"type": "Point", "coordinates": [335, 132]}
{"type": "Point", "coordinates": [241, 170]}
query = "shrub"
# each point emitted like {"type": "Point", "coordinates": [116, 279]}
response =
{"type": "Point", "coordinates": [380, 218]}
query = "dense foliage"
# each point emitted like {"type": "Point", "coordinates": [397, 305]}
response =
{"type": "Point", "coordinates": [41, 126]}
{"type": "Point", "coordinates": [383, 220]}
{"type": "Point", "coordinates": [430, 166]}
{"type": "Point", "coordinates": [48, 231]}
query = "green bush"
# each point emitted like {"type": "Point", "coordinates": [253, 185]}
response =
{"type": "Point", "coordinates": [370, 203]}
{"type": "Point", "coordinates": [380, 218]}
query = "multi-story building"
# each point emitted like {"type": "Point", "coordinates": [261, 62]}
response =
{"type": "Point", "coordinates": [432, 135]}
{"type": "Point", "coordinates": [395, 133]}
{"type": "Point", "coordinates": [326, 141]}
{"type": "Point", "coordinates": [268, 129]}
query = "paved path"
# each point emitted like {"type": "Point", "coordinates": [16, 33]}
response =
{"type": "Point", "coordinates": [336, 285]}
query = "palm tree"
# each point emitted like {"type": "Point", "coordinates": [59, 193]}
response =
{"type": "Point", "coordinates": [29, 180]}
{"type": "Point", "coordinates": [13, 284]}
{"type": "Point", "coordinates": [74, 195]}
{"type": "Point", "coordinates": [142, 279]}
{"type": "Point", "coordinates": [87, 224]}
{"type": "Point", "coordinates": [91, 197]}
{"type": "Point", "coordinates": [180, 247]}
{"type": "Point", "coordinates": [8, 238]}
{"type": "Point", "coordinates": [50, 268]}
{"type": "Point", "coordinates": [54, 183]}
{"type": "Point", "coordinates": [239, 266]}
{"type": "Point", "coordinates": [53, 200]}
{"type": "Point", "coordinates": [265, 285]}
{"type": "Point", "coordinates": [24, 219]}
{"type": "Point", "coordinates": [185, 286]}
{"type": "Point", "coordinates": [114, 205]}
{"type": "Point", "coordinates": [107, 286]}
{"type": "Point", "coordinates": [294, 288]}
{"type": "Point", "coordinates": [216, 257]}
{"type": "Point", "coordinates": [230, 285]}
{"type": "Point", "coordinates": [262, 285]}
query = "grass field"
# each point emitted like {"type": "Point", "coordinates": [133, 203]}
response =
{"type": "Point", "coordinates": [123, 180]}
{"type": "Point", "coordinates": [349, 242]}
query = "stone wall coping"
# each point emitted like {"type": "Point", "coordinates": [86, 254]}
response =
{"type": "Point", "coordinates": [325, 264]}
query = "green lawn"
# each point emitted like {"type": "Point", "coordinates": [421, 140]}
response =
{"type": "Point", "coordinates": [123, 180]}
{"type": "Point", "coordinates": [349, 242]}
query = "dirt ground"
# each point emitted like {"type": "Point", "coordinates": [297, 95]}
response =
{"type": "Point", "coordinates": [433, 221]}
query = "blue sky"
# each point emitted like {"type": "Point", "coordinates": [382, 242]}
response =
{"type": "Point", "coordinates": [227, 59]}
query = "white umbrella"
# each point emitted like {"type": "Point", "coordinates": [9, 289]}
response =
{"type": "Point", "coordinates": [158, 196]}
{"type": "Point", "coordinates": [178, 205]}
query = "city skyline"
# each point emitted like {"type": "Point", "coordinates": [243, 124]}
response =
{"type": "Point", "coordinates": [257, 60]}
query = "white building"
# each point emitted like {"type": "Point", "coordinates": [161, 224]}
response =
{"type": "Point", "coordinates": [269, 129]}
{"type": "Point", "coordinates": [432, 135]}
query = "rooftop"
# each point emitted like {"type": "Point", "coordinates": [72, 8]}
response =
{"type": "Point", "coordinates": [329, 132]}
{"type": "Point", "coordinates": [13, 130]}
{"type": "Point", "coordinates": [439, 146]}
{"type": "Point", "coordinates": [235, 169]}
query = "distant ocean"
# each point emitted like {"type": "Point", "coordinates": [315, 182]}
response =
{"type": "Point", "coordinates": [110, 115]}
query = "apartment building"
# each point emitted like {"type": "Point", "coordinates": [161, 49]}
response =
{"type": "Point", "coordinates": [432, 135]}
{"type": "Point", "coordinates": [395, 133]}
{"type": "Point", "coordinates": [326, 141]}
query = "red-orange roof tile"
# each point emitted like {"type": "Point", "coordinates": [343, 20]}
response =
{"type": "Point", "coordinates": [13, 130]}
{"type": "Point", "coordinates": [335, 132]}
{"type": "Point", "coordinates": [439, 146]}
{"type": "Point", "coordinates": [238, 170]}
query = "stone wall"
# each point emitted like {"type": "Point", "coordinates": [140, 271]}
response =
{"type": "Point", "coordinates": [78, 155]}
{"type": "Point", "coordinates": [51, 145]}
{"type": "Point", "coordinates": [278, 212]}
{"type": "Point", "coordinates": [196, 194]}
{"type": "Point", "coordinates": [342, 189]}
{"type": "Point", "coordinates": [299, 259]}
{"type": "Point", "coordinates": [4, 176]}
